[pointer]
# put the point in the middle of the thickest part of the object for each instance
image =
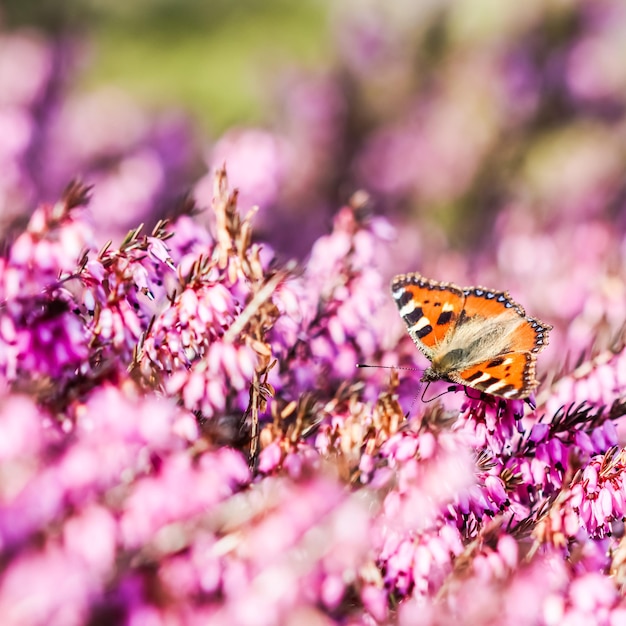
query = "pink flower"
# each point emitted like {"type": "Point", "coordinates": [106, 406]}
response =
{"type": "Point", "coordinates": [28, 594]}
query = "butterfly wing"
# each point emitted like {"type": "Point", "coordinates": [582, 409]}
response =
{"type": "Point", "coordinates": [430, 309]}
{"type": "Point", "coordinates": [531, 335]}
{"type": "Point", "coordinates": [510, 376]}
{"type": "Point", "coordinates": [474, 336]}
{"type": "Point", "coordinates": [510, 372]}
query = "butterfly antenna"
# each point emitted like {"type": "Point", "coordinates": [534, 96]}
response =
{"type": "Point", "coordinates": [390, 367]}
{"type": "Point", "coordinates": [398, 367]}
{"type": "Point", "coordinates": [450, 389]}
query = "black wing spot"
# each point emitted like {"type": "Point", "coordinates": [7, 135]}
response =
{"type": "Point", "coordinates": [414, 316]}
{"type": "Point", "coordinates": [496, 362]}
{"type": "Point", "coordinates": [444, 318]}
{"type": "Point", "coordinates": [404, 299]}
{"type": "Point", "coordinates": [504, 390]}
{"type": "Point", "coordinates": [422, 332]}
{"type": "Point", "coordinates": [485, 384]}
{"type": "Point", "coordinates": [474, 376]}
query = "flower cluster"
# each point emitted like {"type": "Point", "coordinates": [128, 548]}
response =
{"type": "Point", "coordinates": [185, 435]}
{"type": "Point", "coordinates": [206, 441]}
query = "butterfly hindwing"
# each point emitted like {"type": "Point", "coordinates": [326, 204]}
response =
{"type": "Point", "coordinates": [532, 336]}
{"type": "Point", "coordinates": [430, 309]}
{"type": "Point", "coordinates": [509, 375]}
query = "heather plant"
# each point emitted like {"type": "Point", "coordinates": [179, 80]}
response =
{"type": "Point", "coordinates": [186, 438]}
{"type": "Point", "coordinates": [184, 434]}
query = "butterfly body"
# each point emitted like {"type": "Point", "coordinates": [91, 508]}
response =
{"type": "Point", "coordinates": [473, 336]}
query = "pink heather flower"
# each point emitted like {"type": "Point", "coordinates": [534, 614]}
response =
{"type": "Point", "coordinates": [184, 331]}
{"type": "Point", "coordinates": [209, 384]}
{"type": "Point", "coordinates": [496, 564]}
{"type": "Point", "coordinates": [539, 432]}
{"type": "Point", "coordinates": [597, 383]}
{"type": "Point", "coordinates": [110, 446]}
{"type": "Point", "coordinates": [178, 491]}
{"type": "Point", "coordinates": [270, 457]}
{"type": "Point", "coordinates": [56, 236]}
{"type": "Point", "coordinates": [28, 594]}
{"type": "Point", "coordinates": [599, 497]}
{"type": "Point", "coordinates": [255, 160]}
{"type": "Point", "coordinates": [59, 343]}
{"type": "Point", "coordinates": [44, 339]}
{"type": "Point", "coordinates": [277, 560]}
{"type": "Point", "coordinates": [91, 537]}
{"type": "Point", "coordinates": [159, 251]}
{"type": "Point", "coordinates": [39, 331]}
{"type": "Point", "coordinates": [341, 318]}
{"type": "Point", "coordinates": [118, 326]}
{"type": "Point", "coordinates": [126, 274]}
{"type": "Point", "coordinates": [179, 576]}
{"type": "Point", "coordinates": [106, 417]}
{"type": "Point", "coordinates": [296, 459]}
{"type": "Point", "coordinates": [20, 424]}
{"type": "Point", "coordinates": [332, 591]}
{"type": "Point", "coordinates": [188, 241]}
{"type": "Point", "coordinates": [582, 295]}
{"type": "Point", "coordinates": [590, 600]}
{"type": "Point", "coordinates": [417, 544]}
{"type": "Point", "coordinates": [375, 602]}
{"type": "Point", "coordinates": [419, 564]}
{"type": "Point", "coordinates": [486, 498]}
{"type": "Point", "coordinates": [491, 422]}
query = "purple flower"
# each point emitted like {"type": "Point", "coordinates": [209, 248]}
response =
{"type": "Point", "coordinates": [599, 496]}
{"type": "Point", "coordinates": [492, 422]}
{"type": "Point", "coordinates": [28, 595]}
{"type": "Point", "coordinates": [185, 436]}
{"type": "Point", "coordinates": [255, 160]}
{"type": "Point", "coordinates": [208, 384]}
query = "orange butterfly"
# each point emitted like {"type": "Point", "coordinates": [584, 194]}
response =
{"type": "Point", "coordinates": [472, 336]}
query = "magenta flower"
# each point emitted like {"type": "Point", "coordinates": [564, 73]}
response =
{"type": "Point", "coordinates": [599, 496]}
{"type": "Point", "coordinates": [166, 349]}
{"type": "Point", "coordinates": [184, 435]}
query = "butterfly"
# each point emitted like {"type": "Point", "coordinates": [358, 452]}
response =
{"type": "Point", "coordinates": [473, 336]}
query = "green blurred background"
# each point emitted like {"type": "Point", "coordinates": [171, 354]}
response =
{"type": "Point", "coordinates": [214, 58]}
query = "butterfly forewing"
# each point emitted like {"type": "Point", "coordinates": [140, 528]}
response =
{"type": "Point", "coordinates": [509, 375]}
{"type": "Point", "coordinates": [429, 309]}
{"type": "Point", "coordinates": [530, 335]}
{"type": "Point", "coordinates": [489, 303]}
